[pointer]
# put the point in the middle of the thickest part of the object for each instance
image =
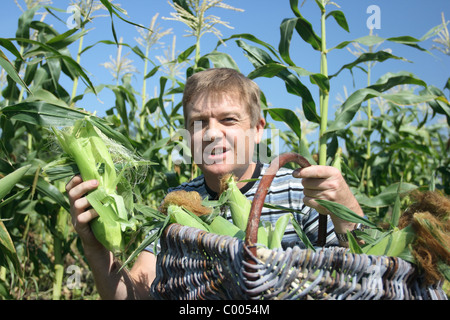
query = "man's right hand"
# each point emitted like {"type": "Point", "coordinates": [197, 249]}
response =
{"type": "Point", "coordinates": [80, 209]}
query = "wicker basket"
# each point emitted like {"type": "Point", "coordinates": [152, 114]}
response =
{"type": "Point", "coordinates": [194, 264]}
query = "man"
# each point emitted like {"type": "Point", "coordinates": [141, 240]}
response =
{"type": "Point", "coordinates": [223, 117]}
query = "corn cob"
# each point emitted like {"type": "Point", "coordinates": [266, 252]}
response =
{"type": "Point", "coordinates": [240, 209]}
{"type": "Point", "coordinates": [277, 234]}
{"type": "Point", "coordinates": [94, 161]}
{"type": "Point", "coordinates": [238, 203]}
{"type": "Point", "coordinates": [337, 159]}
{"type": "Point", "coordinates": [222, 226]}
{"type": "Point", "coordinates": [185, 218]}
{"type": "Point", "coordinates": [267, 235]}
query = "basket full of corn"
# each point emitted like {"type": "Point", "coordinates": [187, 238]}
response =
{"type": "Point", "coordinates": [205, 256]}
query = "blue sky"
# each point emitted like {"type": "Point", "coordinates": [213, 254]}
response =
{"type": "Point", "coordinates": [262, 18]}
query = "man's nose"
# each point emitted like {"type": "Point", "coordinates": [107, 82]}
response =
{"type": "Point", "coordinates": [212, 132]}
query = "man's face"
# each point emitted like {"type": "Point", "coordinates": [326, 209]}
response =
{"type": "Point", "coordinates": [222, 139]}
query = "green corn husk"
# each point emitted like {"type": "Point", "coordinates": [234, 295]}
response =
{"type": "Point", "coordinates": [394, 243]}
{"type": "Point", "coordinates": [337, 159]}
{"type": "Point", "coordinates": [87, 148]}
{"type": "Point", "coordinates": [238, 203]}
{"type": "Point", "coordinates": [222, 226]}
{"type": "Point", "coordinates": [182, 216]}
{"type": "Point", "coordinates": [177, 206]}
{"type": "Point", "coordinates": [277, 234]}
{"type": "Point", "coordinates": [240, 208]}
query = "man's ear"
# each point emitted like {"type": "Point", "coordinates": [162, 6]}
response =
{"type": "Point", "coordinates": [259, 130]}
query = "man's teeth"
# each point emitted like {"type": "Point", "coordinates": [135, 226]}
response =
{"type": "Point", "coordinates": [217, 151]}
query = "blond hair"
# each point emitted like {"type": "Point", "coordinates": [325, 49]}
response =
{"type": "Point", "coordinates": [219, 81]}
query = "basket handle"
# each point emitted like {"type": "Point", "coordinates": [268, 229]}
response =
{"type": "Point", "coordinates": [260, 195]}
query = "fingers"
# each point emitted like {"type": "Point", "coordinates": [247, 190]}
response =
{"type": "Point", "coordinates": [84, 218]}
{"type": "Point", "coordinates": [327, 183]}
{"type": "Point", "coordinates": [321, 182]}
{"type": "Point", "coordinates": [81, 204]}
{"type": "Point", "coordinates": [76, 188]}
{"type": "Point", "coordinates": [316, 172]}
{"type": "Point", "coordinates": [310, 202]}
{"type": "Point", "coordinates": [80, 209]}
{"type": "Point", "coordinates": [73, 182]}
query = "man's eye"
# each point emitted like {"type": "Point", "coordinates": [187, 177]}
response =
{"type": "Point", "coordinates": [230, 120]}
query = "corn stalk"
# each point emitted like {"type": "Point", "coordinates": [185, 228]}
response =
{"type": "Point", "coordinates": [324, 94]}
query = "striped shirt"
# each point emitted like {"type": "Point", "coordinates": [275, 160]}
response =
{"type": "Point", "coordinates": [285, 191]}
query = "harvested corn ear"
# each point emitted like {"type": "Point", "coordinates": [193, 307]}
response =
{"type": "Point", "coordinates": [87, 148]}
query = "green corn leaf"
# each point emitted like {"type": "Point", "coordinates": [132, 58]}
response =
{"type": "Point", "coordinates": [114, 9]}
{"type": "Point", "coordinates": [44, 114]}
{"type": "Point", "coordinates": [150, 212]}
{"type": "Point", "coordinates": [396, 211]}
{"type": "Point", "coordinates": [344, 213]}
{"type": "Point", "coordinates": [9, 181]}
{"type": "Point", "coordinates": [379, 56]}
{"type": "Point", "coordinates": [220, 60]}
{"type": "Point", "coordinates": [286, 30]}
{"type": "Point", "coordinates": [340, 19]}
{"type": "Point", "coordinates": [252, 38]}
{"type": "Point", "coordinates": [7, 248]}
{"type": "Point", "coordinates": [267, 70]}
{"type": "Point", "coordinates": [353, 244]}
{"type": "Point", "coordinates": [19, 194]}
{"type": "Point", "coordinates": [386, 197]}
{"type": "Point", "coordinates": [287, 116]}
{"type": "Point", "coordinates": [351, 106]}
{"type": "Point", "coordinates": [11, 71]}
{"type": "Point", "coordinates": [304, 27]}
{"type": "Point", "coordinates": [373, 40]}
{"type": "Point", "coordinates": [25, 20]}
{"type": "Point", "coordinates": [63, 40]}
{"type": "Point", "coordinates": [160, 226]}
{"type": "Point", "coordinates": [301, 234]}
{"type": "Point", "coordinates": [47, 189]}
{"type": "Point", "coordinates": [258, 57]}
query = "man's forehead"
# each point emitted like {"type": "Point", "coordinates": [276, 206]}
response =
{"type": "Point", "coordinates": [212, 101]}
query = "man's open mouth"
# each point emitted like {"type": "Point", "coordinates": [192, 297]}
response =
{"type": "Point", "coordinates": [218, 151]}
